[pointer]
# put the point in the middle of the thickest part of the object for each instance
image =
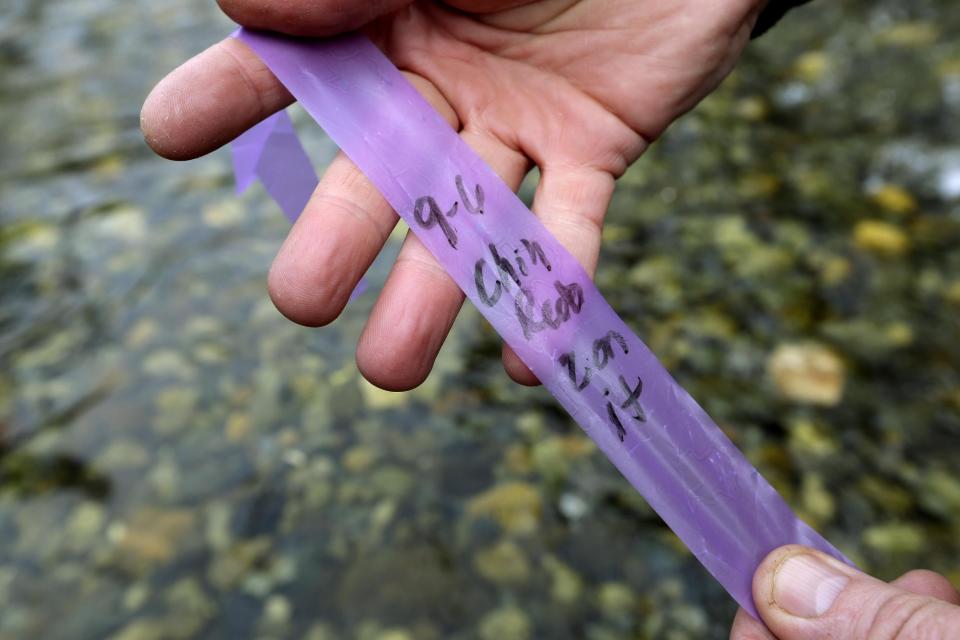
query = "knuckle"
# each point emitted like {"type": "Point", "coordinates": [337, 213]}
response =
{"type": "Point", "coordinates": [905, 616]}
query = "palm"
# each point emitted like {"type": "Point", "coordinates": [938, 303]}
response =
{"type": "Point", "coordinates": [577, 88]}
{"type": "Point", "coordinates": [566, 77]}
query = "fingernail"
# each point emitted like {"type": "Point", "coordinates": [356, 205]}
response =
{"type": "Point", "coordinates": [807, 587]}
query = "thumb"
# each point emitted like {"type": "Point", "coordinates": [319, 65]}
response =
{"type": "Point", "coordinates": [309, 17]}
{"type": "Point", "coordinates": [803, 594]}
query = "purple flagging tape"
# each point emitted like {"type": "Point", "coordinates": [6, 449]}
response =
{"type": "Point", "coordinates": [272, 152]}
{"type": "Point", "coordinates": [542, 302]}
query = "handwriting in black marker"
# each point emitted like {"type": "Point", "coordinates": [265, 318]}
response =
{"type": "Point", "coordinates": [633, 398]}
{"type": "Point", "coordinates": [520, 263]}
{"type": "Point", "coordinates": [569, 360]}
{"type": "Point", "coordinates": [571, 295]}
{"type": "Point", "coordinates": [603, 354]}
{"type": "Point", "coordinates": [485, 297]}
{"type": "Point", "coordinates": [436, 217]}
{"type": "Point", "coordinates": [536, 253]}
{"type": "Point", "coordinates": [504, 268]}
{"type": "Point", "coordinates": [603, 349]}
{"type": "Point", "coordinates": [506, 272]}
{"type": "Point", "coordinates": [551, 314]}
{"type": "Point", "coordinates": [469, 206]}
{"type": "Point", "coordinates": [615, 419]}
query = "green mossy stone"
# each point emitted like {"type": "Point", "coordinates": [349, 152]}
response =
{"type": "Point", "coordinates": [506, 623]}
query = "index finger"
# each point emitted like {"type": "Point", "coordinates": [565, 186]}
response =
{"type": "Point", "coordinates": [210, 100]}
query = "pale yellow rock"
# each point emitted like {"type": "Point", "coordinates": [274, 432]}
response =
{"type": "Point", "coordinates": [377, 398]}
{"type": "Point", "coordinates": [895, 538]}
{"type": "Point", "coordinates": [126, 223]}
{"type": "Point", "coordinates": [617, 599]}
{"type": "Point", "coordinates": [910, 34]}
{"type": "Point", "coordinates": [515, 505]}
{"type": "Point", "coordinates": [758, 185]}
{"type": "Point", "coordinates": [881, 238]}
{"type": "Point", "coordinates": [145, 330]}
{"type": "Point", "coordinates": [167, 363]}
{"type": "Point", "coordinates": [277, 611]}
{"type": "Point", "coordinates": [506, 623]}
{"type": "Point", "coordinates": [566, 586]}
{"type": "Point", "coordinates": [894, 199]}
{"type": "Point", "coordinates": [949, 67]}
{"type": "Point", "coordinates": [226, 213]}
{"type": "Point", "coordinates": [899, 334]}
{"type": "Point", "coordinates": [238, 426]}
{"type": "Point", "coordinates": [359, 458]}
{"type": "Point", "coordinates": [503, 563]}
{"type": "Point", "coordinates": [576, 447]}
{"type": "Point", "coordinates": [124, 454]}
{"type": "Point", "coordinates": [109, 167]}
{"type": "Point", "coordinates": [808, 373]}
{"type": "Point", "coordinates": [152, 535]}
{"type": "Point", "coordinates": [835, 270]}
{"type": "Point", "coordinates": [818, 502]}
{"type": "Point", "coordinates": [952, 292]}
{"type": "Point", "coordinates": [517, 459]}
{"type": "Point", "coordinates": [752, 108]}
{"type": "Point", "coordinates": [812, 66]}
{"type": "Point", "coordinates": [615, 233]}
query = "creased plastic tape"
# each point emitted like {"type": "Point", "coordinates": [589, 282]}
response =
{"type": "Point", "coordinates": [532, 291]}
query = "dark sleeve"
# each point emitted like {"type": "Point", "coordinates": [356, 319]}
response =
{"type": "Point", "coordinates": [772, 13]}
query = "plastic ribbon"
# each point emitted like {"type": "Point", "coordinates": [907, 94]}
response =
{"type": "Point", "coordinates": [539, 299]}
{"type": "Point", "coordinates": [272, 152]}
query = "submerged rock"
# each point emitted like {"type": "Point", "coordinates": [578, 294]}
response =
{"type": "Point", "coordinates": [398, 585]}
{"type": "Point", "coordinates": [516, 506]}
{"type": "Point", "coordinates": [808, 373]}
{"type": "Point", "coordinates": [880, 237]}
{"type": "Point", "coordinates": [359, 459]}
{"type": "Point", "coordinates": [503, 563]}
{"type": "Point", "coordinates": [506, 623]}
{"type": "Point", "coordinates": [894, 199]}
{"type": "Point", "coordinates": [277, 612]}
{"type": "Point", "coordinates": [565, 585]}
{"type": "Point", "coordinates": [895, 538]}
{"type": "Point", "coordinates": [190, 607]}
{"type": "Point", "coordinates": [152, 536]}
{"type": "Point", "coordinates": [617, 600]}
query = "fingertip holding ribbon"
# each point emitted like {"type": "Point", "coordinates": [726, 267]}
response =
{"type": "Point", "coordinates": [531, 290]}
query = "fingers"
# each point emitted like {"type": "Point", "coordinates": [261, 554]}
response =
{"type": "Point", "coordinates": [330, 247]}
{"type": "Point", "coordinates": [928, 583]}
{"type": "Point", "coordinates": [340, 232]}
{"type": "Point", "coordinates": [308, 17]}
{"type": "Point", "coordinates": [571, 202]}
{"type": "Point", "coordinates": [420, 301]}
{"type": "Point", "coordinates": [803, 594]}
{"type": "Point", "coordinates": [746, 627]}
{"type": "Point", "coordinates": [409, 322]}
{"type": "Point", "coordinates": [210, 100]}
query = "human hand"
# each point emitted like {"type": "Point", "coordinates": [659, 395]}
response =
{"type": "Point", "coordinates": [805, 595]}
{"type": "Point", "coordinates": [578, 88]}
